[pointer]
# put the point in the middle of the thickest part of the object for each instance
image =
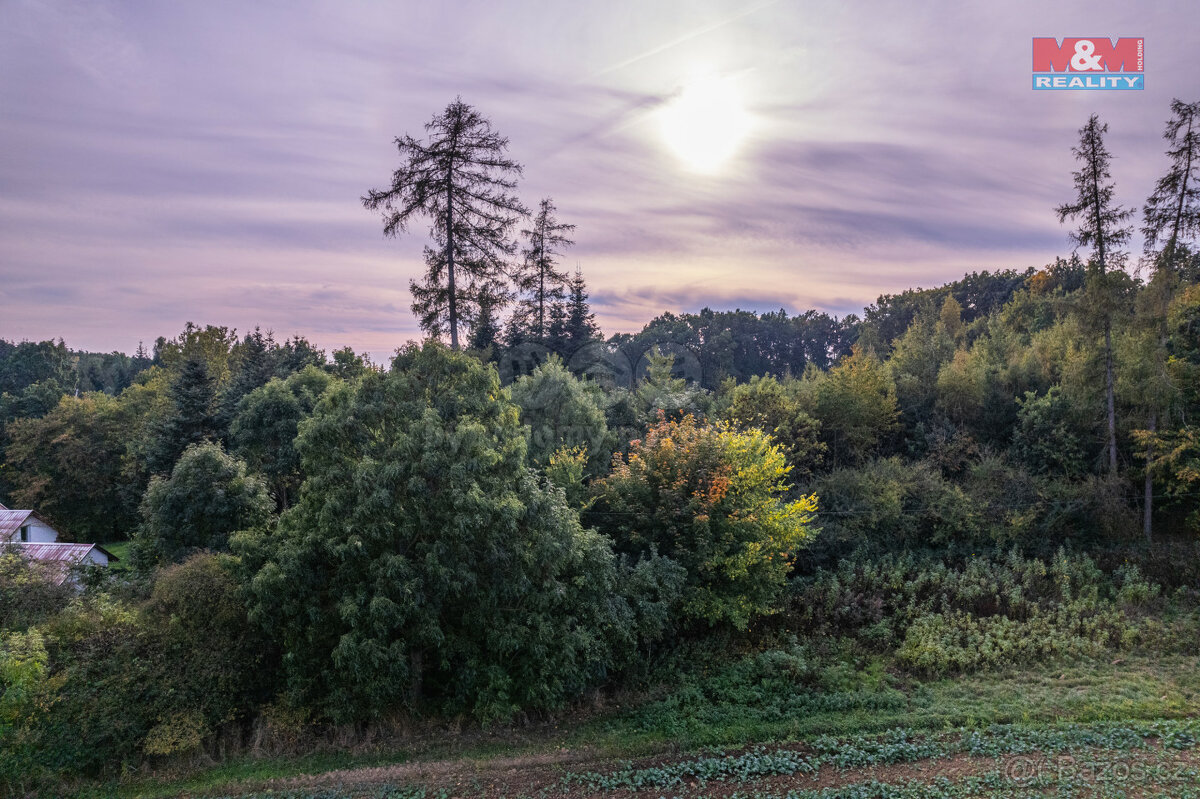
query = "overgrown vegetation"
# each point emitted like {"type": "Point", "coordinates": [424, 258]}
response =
{"type": "Point", "coordinates": [752, 527]}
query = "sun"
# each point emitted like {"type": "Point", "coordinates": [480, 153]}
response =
{"type": "Point", "coordinates": [705, 124]}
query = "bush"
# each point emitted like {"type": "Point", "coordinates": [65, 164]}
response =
{"type": "Point", "coordinates": [1049, 437]}
{"type": "Point", "coordinates": [24, 692]}
{"type": "Point", "coordinates": [218, 667]}
{"type": "Point", "coordinates": [709, 498]}
{"type": "Point", "coordinates": [121, 682]}
{"type": "Point", "coordinates": [888, 504]}
{"type": "Point", "coordinates": [111, 690]}
{"type": "Point", "coordinates": [987, 611]}
{"type": "Point", "coordinates": [28, 593]}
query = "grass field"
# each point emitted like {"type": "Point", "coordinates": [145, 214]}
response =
{"type": "Point", "coordinates": [1119, 729]}
{"type": "Point", "coordinates": [121, 550]}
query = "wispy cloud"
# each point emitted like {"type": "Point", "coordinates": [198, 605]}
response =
{"type": "Point", "coordinates": [204, 161]}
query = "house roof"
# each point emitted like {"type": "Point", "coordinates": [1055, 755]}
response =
{"type": "Point", "coordinates": [11, 521]}
{"type": "Point", "coordinates": [59, 558]}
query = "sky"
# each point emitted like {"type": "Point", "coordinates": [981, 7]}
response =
{"type": "Point", "coordinates": [165, 162]}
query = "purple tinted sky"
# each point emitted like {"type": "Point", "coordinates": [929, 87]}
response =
{"type": "Point", "coordinates": [171, 161]}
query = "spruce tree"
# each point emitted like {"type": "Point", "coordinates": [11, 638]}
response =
{"type": "Point", "coordinates": [539, 280]}
{"type": "Point", "coordinates": [251, 368]}
{"type": "Point", "coordinates": [485, 332]}
{"type": "Point", "coordinates": [581, 327]}
{"type": "Point", "coordinates": [556, 330]}
{"type": "Point", "coordinates": [193, 418]}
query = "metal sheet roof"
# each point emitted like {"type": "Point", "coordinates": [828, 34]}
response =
{"type": "Point", "coordinates": [11, 521]}
{"type": "Point", "coordinates": [72, 553]}
{"type": "Point", "coordinates": [59, 558]}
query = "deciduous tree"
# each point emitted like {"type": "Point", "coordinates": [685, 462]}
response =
{"type": "Point", "coordinates": [711, 499]}
{"type": "Point", "coordinates": [425, 565]}
{"type": "Point", "coordinates": [560, 411]}
{"type": "Point", "coordinates": [208, 496]}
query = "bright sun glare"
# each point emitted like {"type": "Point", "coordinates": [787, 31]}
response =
{"type": "Point", "coordinates": [705, 124]}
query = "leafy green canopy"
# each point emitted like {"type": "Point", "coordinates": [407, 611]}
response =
{"type": "Point", "coordinates": [709, 498]}
{"type": "Point", "coordinates": [560, 410]}
{"type": "Point", "coordinates": [208, 496]}
{"type": "Point", "coordinates": [425, 565]}
{"type": "Point", "coordinates": [264, 430]}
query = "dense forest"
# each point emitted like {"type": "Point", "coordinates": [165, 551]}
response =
{"type": "Point", "coordinates": [519, 513]}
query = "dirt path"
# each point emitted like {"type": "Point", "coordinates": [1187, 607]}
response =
{"type": "Point", "coordinates": [542, 775]}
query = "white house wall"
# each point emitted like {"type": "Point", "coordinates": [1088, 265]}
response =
{"type": "Point", "coordinates": [40, 532]}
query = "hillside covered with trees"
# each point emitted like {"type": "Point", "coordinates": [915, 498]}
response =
{"type": "Point", "coordinates": [518, 516]}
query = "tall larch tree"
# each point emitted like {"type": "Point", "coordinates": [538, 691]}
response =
{"type": "Point", "coordinates": [1170, 217]}
{"type": "Point", "coordinates": [1102, 226]}
{"type": "Point", "coordinates": [461, 178]}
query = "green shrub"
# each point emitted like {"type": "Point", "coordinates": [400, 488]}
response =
{"type": "Point", "coordinates": [890, 504]}
{"type": "Point", "coordinates": [1050, 435]}
{"type": "Point", "coordinates": [112, 689]}
{"type": "Point", "coordinates": [217, 665]}
{"type": "Point", "coordinates": [984, 612]}
{"type": "Point", "coordinates": [28, 594]}
{"type": "Point", "coordinates": [713, 500]}
{"type": "Point", "coordinates": [179, 733]}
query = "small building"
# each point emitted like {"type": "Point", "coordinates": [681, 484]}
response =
{"type": "Point", "coordinates": [60, 558]}
{"type": "Point", "coordinates": [25, 527]}
{"type": "Point", "coordinates": [34, 538]}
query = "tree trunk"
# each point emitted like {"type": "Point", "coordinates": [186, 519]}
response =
{"type": "Point", "coordinates": [450, 263]}
{"type": "Point", "coordinates": [1148, 505]}
{"type": "Point", "coordinates": [416, 687]}
{"type": "Point", "coordinates": [1109, 390]}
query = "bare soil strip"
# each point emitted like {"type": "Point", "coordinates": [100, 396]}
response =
{"type": "Point", "coordinates": [531, 775]}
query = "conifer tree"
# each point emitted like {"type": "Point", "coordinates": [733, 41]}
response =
{"type": "Point", "coordinates": [193, 420]}
{"type": "Point", "coordinates": [1172, 212]}
{"type": "Point", "coordinates": [581, 325]}
{"type": "Point", "coordinates": [1102, 226]}
{"type": "Point", "coordinates": [485, 332]}
{"type": "Point", "coordinates": [1170, 216]}
{"type": "Point", "coordinates": [251, 368]}
{"type": "Point", "coordinates": [461, 178]}
{"type": "Point", "coordinates": [539, 280]}
{"type": "Point", "coordinates": [556, 330]}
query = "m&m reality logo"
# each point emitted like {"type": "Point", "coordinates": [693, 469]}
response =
{"type": "Point", "coordinates": [1094, 62]}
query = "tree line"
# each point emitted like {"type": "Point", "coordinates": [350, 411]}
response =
{"type": "Point", "coordinates": [500, 528]}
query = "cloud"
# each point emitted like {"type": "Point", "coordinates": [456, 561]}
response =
{"type": "Point", "coordinates": [204, 161]}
